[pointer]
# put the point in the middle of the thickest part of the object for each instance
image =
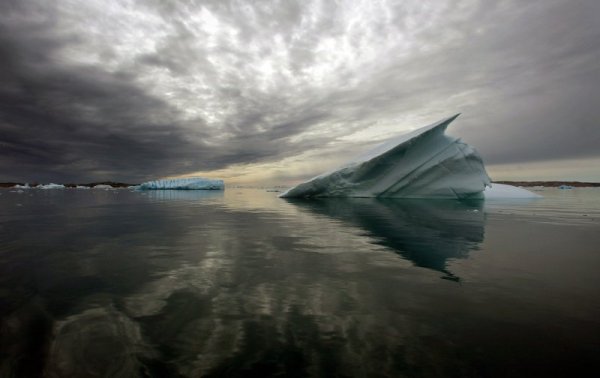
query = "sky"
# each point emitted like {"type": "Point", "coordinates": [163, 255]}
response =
{"type": "Point", "coordinates": [274, 92]}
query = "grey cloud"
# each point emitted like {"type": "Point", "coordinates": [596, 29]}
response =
{"type": "Point", "coordinates": [529, 80]}
{"type": "Point", "coordinates": [523, 75]}
{"type": "Point", "coordinates": [68, 124]}
{"type": "Point", "coordinates": [62, 122]}
{"type": "Point", "coordinates": [540, 101]}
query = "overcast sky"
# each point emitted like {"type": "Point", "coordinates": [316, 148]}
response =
{"type": "Point", "coordinates": [275, 91]}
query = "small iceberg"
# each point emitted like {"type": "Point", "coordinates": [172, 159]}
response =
{"type": "Point", "coordinates": [191, 183]}
{"type": "Point", "coordinates": [503, 191]}
{"type": "Point", "coordinates": [50, 186]}
{"type": "Point", "coordinates": [565, 187]}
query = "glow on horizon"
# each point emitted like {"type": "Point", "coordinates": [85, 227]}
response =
{"type": "Point", "coordinates": [583, 169]}
{"type": "Point", "coordinates": [294, 170]}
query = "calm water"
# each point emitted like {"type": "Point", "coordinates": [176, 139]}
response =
{"type": "Point", "coordinates": [241, 283]}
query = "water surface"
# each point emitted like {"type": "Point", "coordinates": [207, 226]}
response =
{"type": "Point", "coordinates": [242, 283]}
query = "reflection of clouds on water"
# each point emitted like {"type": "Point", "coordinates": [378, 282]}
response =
{"type": "Point", "coordinates": [254, 285]}
{"type": "Point", "coordinates": [98, 342]}
{"type": "Point", "coordinates": [267, 304]}
{"type": "Point", "coordinates": [428, 233]}
{"type": "Point", "coordinates": [24, 335]}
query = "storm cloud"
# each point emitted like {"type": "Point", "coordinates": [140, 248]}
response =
{"type": "Point", "coordinates": [133, 90]}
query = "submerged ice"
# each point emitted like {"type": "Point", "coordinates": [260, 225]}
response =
{"type": "Point", "coordinates": [503, 191]}
{"type": "Point", "coordinates": [191, 183]}
{"type": "Point", "coordinates": [424, 163]}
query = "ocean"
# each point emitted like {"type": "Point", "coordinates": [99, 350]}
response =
{"type": "Point", "coordinates": [122, 283]}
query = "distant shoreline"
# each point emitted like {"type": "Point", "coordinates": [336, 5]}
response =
{"type": "Point", "coordinates": [550, 184]}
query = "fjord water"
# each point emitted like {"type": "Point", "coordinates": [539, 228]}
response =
{"type": "Point", "coordinates": [241, 283]}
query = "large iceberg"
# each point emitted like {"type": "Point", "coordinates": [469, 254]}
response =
{"type": "Point", "coordinates": [424, 163]}
{"type": "Point", "coordinates": [191, 183]}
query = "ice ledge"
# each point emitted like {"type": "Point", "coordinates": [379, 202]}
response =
{"type": "Point", "coordinates": [503, 191]}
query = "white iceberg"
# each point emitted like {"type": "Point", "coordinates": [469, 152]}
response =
{"type": "Point", "coordinates": [102, 186]}
{"type": "Point", "coordinates": [191, 183]}
{"type": "Point", "coordinates": [50, 186]}
{"type": "Point", "coordinates": [503, 191]}
{"type": "Point", "coordinates": [424, 163]}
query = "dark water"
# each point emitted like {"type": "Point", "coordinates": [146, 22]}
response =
{"type": "Point", "coordinates": [241, 283]}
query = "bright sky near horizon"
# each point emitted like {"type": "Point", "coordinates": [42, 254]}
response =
{"type": "Point", "coordinates": [273, 92]}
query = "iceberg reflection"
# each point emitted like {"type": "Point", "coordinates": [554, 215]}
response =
{"type": "Point", "coordinates": [427, 233]}
{"type": "Point", "coordinates": [185, 195]}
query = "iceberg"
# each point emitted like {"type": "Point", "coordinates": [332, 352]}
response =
{"type": "Point", "coordinates": [50, 186]}
{"type": "Point", "coordinates": [424, 163]}
{"type": "Point", "coordinates": [503, 191]}
{"type": "Point", "coordinates": [191, 183]}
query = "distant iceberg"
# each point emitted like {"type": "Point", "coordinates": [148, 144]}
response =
{"type": "Point", "coordinates": [25, 186]}
{"type": "Point", "coordinates": [50, 186]}
{"type": "Point", "coordinates": [424, 163]}
{"type": "Point", "coordinates": [191, 183]}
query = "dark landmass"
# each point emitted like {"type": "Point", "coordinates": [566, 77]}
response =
{"type": "Point", "coordinates": [71, 185]}
{"type": "Point", "coordinates": [9, 184]}
{"type": "Point", "coordinates": [577, 184]}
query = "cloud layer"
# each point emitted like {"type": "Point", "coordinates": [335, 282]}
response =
{"type": "Point", "coordinates": [138, 89]}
